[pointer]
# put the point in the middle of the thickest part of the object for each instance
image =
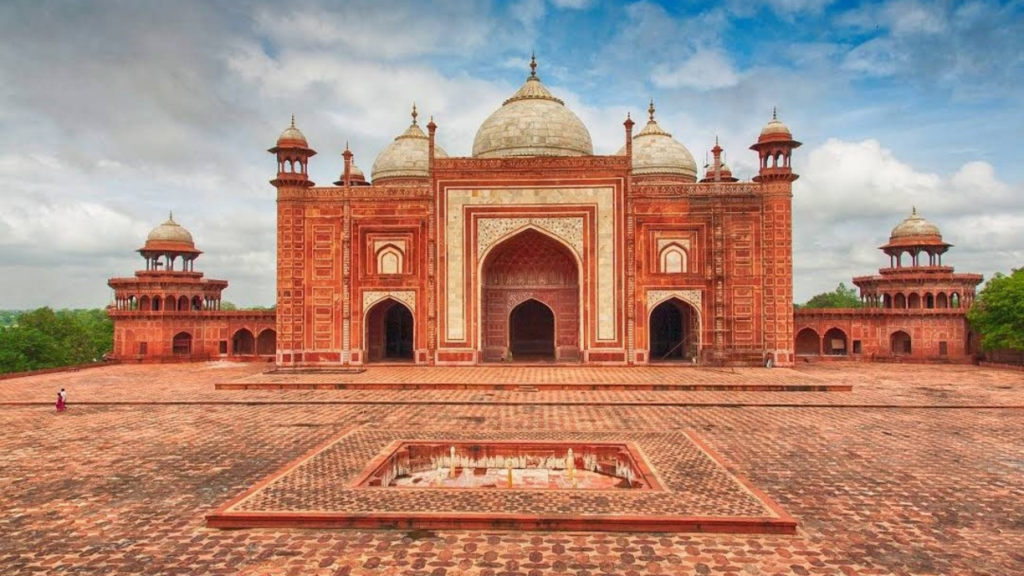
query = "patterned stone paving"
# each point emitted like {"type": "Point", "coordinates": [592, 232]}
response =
{"type": "Point", "coordinates": [904, 489]}
{"type": "Point", "coordinates": [872, 384]}
{"type": "Point", "coordinates": [696, 487]}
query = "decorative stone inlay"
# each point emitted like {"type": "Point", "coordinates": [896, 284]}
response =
{"type": "Point", "coordinates": [400, 244]}
{"type": "Point", "coordinates": [662, 242]}
{"type": "Point", "coordinates": [407, 297]}
{"type": "Point", "coordinates": [603, 197]}
{"type": "Point", "coordinates": [692, 297]}
{"type": "Point", "coordinates": [568, 228]}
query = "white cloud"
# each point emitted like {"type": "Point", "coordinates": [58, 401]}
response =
{"type": "Point", "coordinates": [851, 194]}
{"type": "Point", "coordinates": [900, 16]}
{"type": "Point", "coordinates": [704, 70]}
{"type": "Point", "coordinates": [380, 29]}
{"type": "Point", "coordinates": [528, 12]}
{"type": "Point", "coordinates": [572, 4]}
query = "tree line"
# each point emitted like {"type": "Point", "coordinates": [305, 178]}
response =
{"type": "Point", "coordinates": [45, 338]}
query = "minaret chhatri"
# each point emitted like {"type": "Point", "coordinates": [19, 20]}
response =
{"type": "Point", "coordinates": [293, 154]}
{"type": "Point", "coordinates": [775, 147]}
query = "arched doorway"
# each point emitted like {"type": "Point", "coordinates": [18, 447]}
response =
{"type": "Point", "coordinates": [835, 343]}
{"type": "Point", "coordinates": [243, 343]}
{"type": "Point", "coordinates": [181, 345]}
{"type": "Point", "coordinates": [389, 332]}
{"type": "Point", "coordinates": [266, 343]}
{"type": "Point", "coordinates": [808, 343]}
{"type": "Point", "coordinates": [899, 343]}
{"type": "Point", "coordinates": [673, 331]}
{"type": "Point", "coordinates": [531, 332]}
{"type": "Point", "coordinates": [530, 266]}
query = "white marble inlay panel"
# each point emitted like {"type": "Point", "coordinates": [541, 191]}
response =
{"type": "Point", "coordinates": [407, 297]}
{"type": "Point", "coordinates": [490, 230]}
{"type": "Point", "coordinates": [603, 198]}
{"type": "Point", "coordinates": [692, 297]}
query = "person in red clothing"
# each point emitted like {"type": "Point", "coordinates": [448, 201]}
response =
{"type": "Point", "coordinates": [62, 400]}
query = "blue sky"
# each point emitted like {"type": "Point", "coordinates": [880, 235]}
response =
{"type": "Point", "coordinates": [113, 112]}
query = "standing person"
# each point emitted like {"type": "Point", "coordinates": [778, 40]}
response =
{"type": "Point", "coordinates": [62, 400]}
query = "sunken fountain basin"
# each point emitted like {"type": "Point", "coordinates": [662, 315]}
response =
{"type": "Point", "coordinates": [536, 465]}
{"type": "Point", "coordinates": [370, 478]}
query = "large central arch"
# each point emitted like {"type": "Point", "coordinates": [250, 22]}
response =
{"type": "Point", "coordinates": [530, 265]}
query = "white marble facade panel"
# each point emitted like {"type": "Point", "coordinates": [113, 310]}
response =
{"type": "Point", "coordinates": [456, 272]}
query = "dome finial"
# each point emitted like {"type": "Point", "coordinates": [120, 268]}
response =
{"type": "Point", "coordinates": [346, 145]}
{"type": "Point", "coordinates": [170, 215]}
{"type": "Point", "coordinates": [913, 210]}
{"type": "Point", "coordinates": [650, 110]}
{"type": "Point", "coordinates": [775, 115]}
{"type": "Point", "coordinates": [293, 120]}
{"type": "Point", "coordinates": [414, 113]}
{"type": "Point", "coordinates": [533, 64]}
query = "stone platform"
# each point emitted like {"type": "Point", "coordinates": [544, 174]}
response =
{"type": "Point", "coordinates": [694, 491]}
{"type": "Point", "coordinates": [916, 471]}
{"type": "Point", "coordinates": [681, 378]}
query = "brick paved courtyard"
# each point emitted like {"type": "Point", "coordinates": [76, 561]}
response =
{"type": "Point", "coordinates": [918, 470]}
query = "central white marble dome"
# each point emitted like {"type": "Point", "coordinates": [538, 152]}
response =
{"type": "Point", "coordinates": [532, 123]}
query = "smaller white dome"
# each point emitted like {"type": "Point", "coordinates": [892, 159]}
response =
{"type": "Point", "coordinates": [292, 135]}
{"type": "Point", "coordinates": [408, 156]}
{"type": "Point", "coordinates": [914, 226]}
{"type": "Point", "coordinates": [655, 151]}
{"type": "Point", "coordinates": [775, 127]}
{"type": "Point", "coordinates": [170, 232]}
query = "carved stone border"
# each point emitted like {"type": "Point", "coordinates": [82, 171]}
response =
{"type": "Point", "coordinates": [692, 297]}
{"type": "Point", "coordinates": [567, 228]}
{"type": "Point", "coordinates": [407, 297]}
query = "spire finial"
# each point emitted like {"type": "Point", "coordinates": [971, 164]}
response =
{"type": "Point", "coordinates": [346, 145]}
{"type": "Point", "coordinates": [913, 210]}
{"type": "Point", "coordinates": [627, 116]}
{"type": "Point", "coordinates": [293, 120]}
{"type": "Point", "coordinates": [716, 139]}
{"type": "Point", "coordinates": [650, 110]}
{"type": "Point", "coordinates": [170, 215]}
{"type": "Point", "coordinates": [414, 113]}
{"type": "Point", "coordinates": [533, 64]}
{"type": "Point", "coordinates": [775, 115]}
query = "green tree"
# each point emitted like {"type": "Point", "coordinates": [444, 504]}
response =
{"type": "Point", "coordinates": [998, 312]}
{"type": "Point", "coordinates": [43, 338]}
{"type": "Point", "coordinates": [841, 297]}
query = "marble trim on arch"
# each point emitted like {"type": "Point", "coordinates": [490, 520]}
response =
{"type": "Point", "coordinates": [456, 199]}
{"type": "Point", "coordinates": [692, 297]}
{"type": "Point", "coordinates": [407, 297]}
{"type": "Point", "coordinates": [491, 230]}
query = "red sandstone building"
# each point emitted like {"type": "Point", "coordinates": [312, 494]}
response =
{"type": "Point", "coordinates": [914, 309]}
{"type": "Point", "coordinates": [536, 249]}
{"type": "Point", "coordinates": [169, 312]}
